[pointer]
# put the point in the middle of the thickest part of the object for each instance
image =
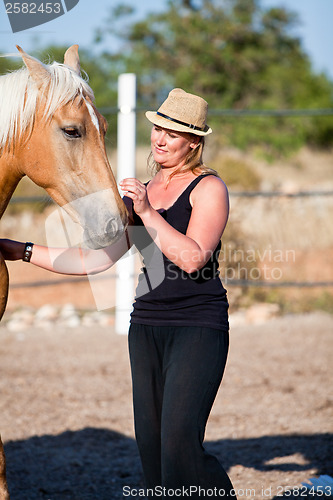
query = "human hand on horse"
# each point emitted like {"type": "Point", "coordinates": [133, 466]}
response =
{"type": "Point", "coordinates": [137, 191]}
{"type": "Point", "coordinates": [11, 249]}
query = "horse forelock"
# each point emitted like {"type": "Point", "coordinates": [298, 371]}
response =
{"type": "Point", "coordinates": [21, 103]}
{"type": "Point", "coordinates": [64, 86]}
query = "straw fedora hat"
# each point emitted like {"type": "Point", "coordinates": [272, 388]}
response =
{"type": "Point", "coordinates": [182, 112]}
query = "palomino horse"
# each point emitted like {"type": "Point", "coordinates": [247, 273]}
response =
{"type": "Point", "coordinates": [51, 131]}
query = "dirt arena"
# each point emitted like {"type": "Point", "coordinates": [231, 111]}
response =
{"type": "Point", "coordinates": [67, 424]}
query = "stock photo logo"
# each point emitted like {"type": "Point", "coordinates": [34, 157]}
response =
{"type": "Point", "coordinates": [24, 15]}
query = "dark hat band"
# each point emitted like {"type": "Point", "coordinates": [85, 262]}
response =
{"type": "Point", "coordinates": [193, 127]}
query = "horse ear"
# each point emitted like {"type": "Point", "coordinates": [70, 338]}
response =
{"type": "Point", "coordinates": [37, 70]}
{"type": "Point", "coordinates": [72, 59]}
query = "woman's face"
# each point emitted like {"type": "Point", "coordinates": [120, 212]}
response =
{"type": "Point", "coordinates": [170, 148]}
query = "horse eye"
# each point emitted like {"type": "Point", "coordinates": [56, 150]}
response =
{"type": "Point", "coordinates": [71, 132]}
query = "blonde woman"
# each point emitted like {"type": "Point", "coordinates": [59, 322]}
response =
{"type": "Point", "coordinates": [178, 337]}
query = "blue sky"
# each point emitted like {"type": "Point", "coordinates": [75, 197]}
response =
{"type": "Point", "coordinates": [78, 26]}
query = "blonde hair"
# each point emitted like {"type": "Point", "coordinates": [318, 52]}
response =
{"type": "Point", "coordinates": [193, 162]}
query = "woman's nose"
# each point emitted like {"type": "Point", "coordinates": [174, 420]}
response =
{"type": "Point", "coordinates": [161, 137]}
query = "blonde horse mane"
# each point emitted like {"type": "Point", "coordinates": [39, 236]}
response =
{"type": "Point", "coordinates": [19, 100]}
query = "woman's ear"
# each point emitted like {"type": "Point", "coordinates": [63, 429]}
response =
{"type": "Point", "coordinates": [195, 142]}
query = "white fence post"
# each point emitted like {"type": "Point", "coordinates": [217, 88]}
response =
{"type": "Point", "coordinates": [126, 143]}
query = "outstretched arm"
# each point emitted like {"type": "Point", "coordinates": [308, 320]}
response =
{"type": "Point", "coordinates": [75, 261]}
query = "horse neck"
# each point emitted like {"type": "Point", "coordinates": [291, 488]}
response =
{"type": "Point", "coordinates": [9, 178]}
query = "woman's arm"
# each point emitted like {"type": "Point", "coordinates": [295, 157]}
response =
{"type": "Point", "coordinates": [75, 261]}
{"type": "Point", "coordinates": [209, 216]}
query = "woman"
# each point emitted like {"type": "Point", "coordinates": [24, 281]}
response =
{"type": "Point", "coordinates": [178, 338]}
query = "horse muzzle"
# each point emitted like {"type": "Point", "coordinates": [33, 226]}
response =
{"type": "Point", "coordinates": [93, 221]}
{"type": "Point", "coordinates": [112, 232]}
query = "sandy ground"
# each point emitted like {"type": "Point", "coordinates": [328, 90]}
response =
{"type": "Point", "coordinates": [67, 424]}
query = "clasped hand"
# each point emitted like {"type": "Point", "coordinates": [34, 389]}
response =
{"type": "Point", "coordinates": [137, 191]}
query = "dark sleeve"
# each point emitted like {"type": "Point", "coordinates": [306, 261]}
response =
{"type": "Point", "coordinates": [129, 205]}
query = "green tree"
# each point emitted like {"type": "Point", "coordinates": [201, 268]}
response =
{"type": "Point", "coordinates": [235, 54]}
{"type": "Point", "coordinates": [8, 64]}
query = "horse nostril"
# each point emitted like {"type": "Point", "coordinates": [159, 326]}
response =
{"type": "Point", "coordinates": [111, 228]}
{"type": "Point", "coordinates": [108, 234]}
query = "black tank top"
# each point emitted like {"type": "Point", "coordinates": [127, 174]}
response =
{"type": "Point", "coordinates": [168, 296]}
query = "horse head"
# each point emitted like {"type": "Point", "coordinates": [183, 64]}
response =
{"type": "Point", "coordinates": [60, 146]}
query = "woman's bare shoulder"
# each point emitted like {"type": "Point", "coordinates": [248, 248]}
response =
{"type": "Point", "coordinates": [211, 191]}
{"type": "Point", "coordinates": [211, 185]}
